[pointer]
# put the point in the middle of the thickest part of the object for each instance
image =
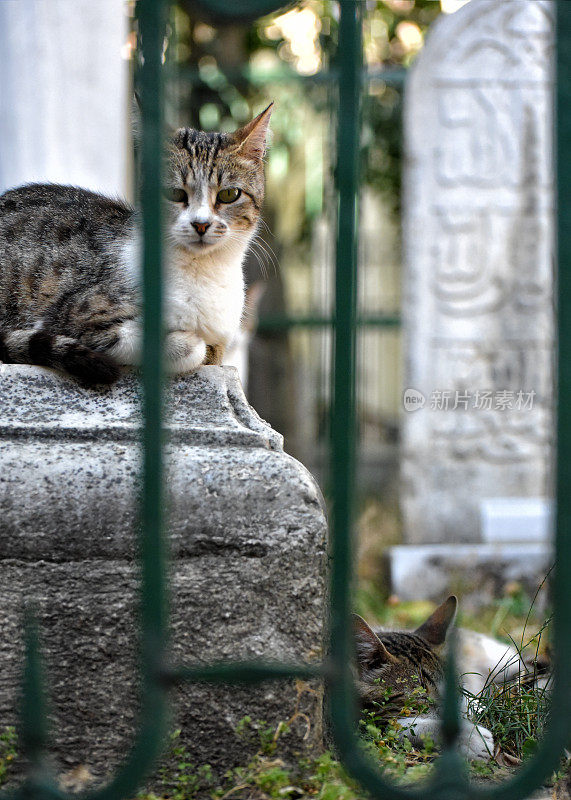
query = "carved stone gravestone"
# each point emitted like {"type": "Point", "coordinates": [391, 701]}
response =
{"type": "Point", "coordinates": [246, 534]}
{"type": "Point", "coordinates": [478, 236]}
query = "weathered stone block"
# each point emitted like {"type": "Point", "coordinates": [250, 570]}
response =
{"type": "Point", "coordinates": [478, 235]}
{"type": "Point", "coordinates": [246, 530]}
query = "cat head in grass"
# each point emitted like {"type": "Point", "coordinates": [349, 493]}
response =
{"type": "Point", "coordinates": [391, 665]}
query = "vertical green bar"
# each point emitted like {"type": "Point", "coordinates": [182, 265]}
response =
{"type": "Point", "coordinates": [343, 423]}
{"type": "Point", "coordinates": [152, 26]}
{"type": "Point", "coordinates": [343, 428]}
{"type": "Point", "coordinates": [152, 21]}
{"type": "Point", "coordinates": [560, 588]}
{"type": "Point", "coordinates": [558, 733]}
{"type": "Point", "coordinates": [151, 17]}
{"type": "Point", "coordinates": [33, 734]}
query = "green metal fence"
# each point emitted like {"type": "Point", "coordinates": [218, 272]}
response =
{"type": "Point", "coordinates": [450, 781]}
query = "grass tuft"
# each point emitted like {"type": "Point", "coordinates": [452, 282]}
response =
{"type": "Point", "coordinates": [8, 753]}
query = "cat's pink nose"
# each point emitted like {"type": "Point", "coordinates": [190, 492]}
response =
{"type": "Point", "coordinates": [201, 227]}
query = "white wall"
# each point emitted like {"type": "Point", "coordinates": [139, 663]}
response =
{"type": "Point", "coordinates": [63, 93]}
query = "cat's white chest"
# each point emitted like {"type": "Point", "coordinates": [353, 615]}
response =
{"type": "Point", "coordinates": [205, 298]}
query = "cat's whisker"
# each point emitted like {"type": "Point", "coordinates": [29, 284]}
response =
{"type": "Point", "coordinates": [266, 253]}
{"type": "Point", "coordinates": [263, 222]}
{"type": "Point", "coordinates": [256, 248]}
{"type": "Point", "coordinates": [259, 256]}
{"type": "Point", "coordinates": [263, 259]}
{"type": "Point", "coordinates": [270, 256]}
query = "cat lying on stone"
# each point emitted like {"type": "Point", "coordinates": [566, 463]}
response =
{"type": "Point", "coordinates": [392, 665]}
{"type": "Point", "coordinates": [70, 283]}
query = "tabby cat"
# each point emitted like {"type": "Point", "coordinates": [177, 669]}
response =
{"type": "Point", "coordinates": [70, 294]}
{"type": "Point", "coordinates": [392, 665]}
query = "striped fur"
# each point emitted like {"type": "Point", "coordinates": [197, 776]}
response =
{"type": "Point", "coordinates": [61, 298]}
{"type": "Point", "coordinates": [70, 294]}
{"type": "Point", "coordinates": [391, 664]}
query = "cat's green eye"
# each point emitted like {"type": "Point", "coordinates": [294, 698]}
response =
{"type": "Point", "coordinates": [175, 195]}
{"type": "Point", "coordinates": [228, 195]}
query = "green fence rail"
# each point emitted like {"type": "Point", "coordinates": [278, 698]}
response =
{"type": "Point", "coordinates": [450, 781]}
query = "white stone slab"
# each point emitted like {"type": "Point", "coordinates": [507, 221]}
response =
{"type": "Point", "coordinates": [516, 519]}
{"type": "Point", "coordinates": [476, 572]}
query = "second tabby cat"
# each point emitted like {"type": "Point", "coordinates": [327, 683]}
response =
{"type": "Point", "coordinates": [70, 294]}
{"type": "Point", "coordinates": [393, 664]}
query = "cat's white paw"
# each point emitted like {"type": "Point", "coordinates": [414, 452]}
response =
{"type": "Point", "coordinates": [127, 350]}
{"type": "Point", "coordinates": [417, 729]}
{"type": "Point", "coordinates": [184, 352]}
{"type": "Point", "coordinates": [475, 743]}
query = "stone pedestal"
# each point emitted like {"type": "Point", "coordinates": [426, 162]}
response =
{"type": "Point", "coordinates": [246, 530]}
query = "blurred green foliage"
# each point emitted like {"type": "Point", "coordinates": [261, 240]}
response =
{"type": "Point", "coordinates": [226, 73]}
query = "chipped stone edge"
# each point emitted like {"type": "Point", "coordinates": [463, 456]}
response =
{"type": "Point", "coordinates": [244, 412]}
{"type": "Point", "coordinates": [255, 431]}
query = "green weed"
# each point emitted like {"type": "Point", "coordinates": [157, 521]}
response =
{"type": "Point", "coordinates": [183, 780]}
{"type": "Point", "coordinates": [8, 753]}
{"type": "Point", "coordinates": [516, 711]}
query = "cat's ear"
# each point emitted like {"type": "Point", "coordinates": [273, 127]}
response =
{"type": "Point", "coordinates": [371, 652]}
{"type": "Point", "coordinates": [436, 626]}
{"type": "Point", "coordinates": [250, 141]}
